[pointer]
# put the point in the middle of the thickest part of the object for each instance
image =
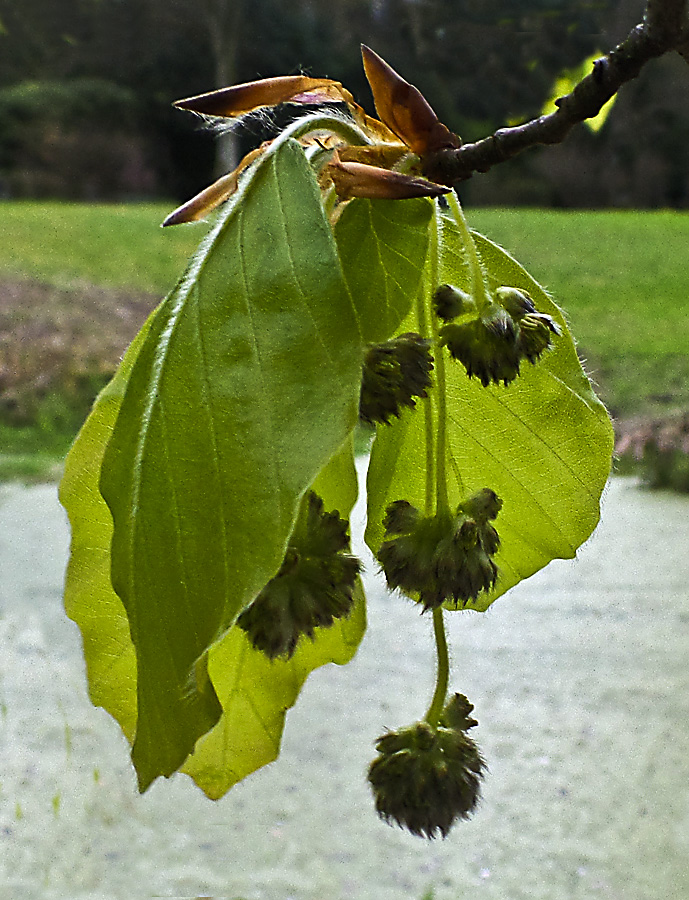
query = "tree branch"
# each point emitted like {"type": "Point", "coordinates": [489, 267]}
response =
{"type": "Point", "coordinates": [665, 28]}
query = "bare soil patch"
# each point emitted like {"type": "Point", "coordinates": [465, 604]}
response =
{"type": "Point", "coordinates": [65, 341]}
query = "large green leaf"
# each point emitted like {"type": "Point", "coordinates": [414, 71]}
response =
{"type": "Point", "coordinates": [89, 597]}
{"type": "Point", "coordinates": [243, 388]}
{"type": "Point", "coordinates": [255, 692]}
{"type": "Point", "coordinates": [544, 443]}
{"type": "Point", "coordinates": [383, 246]}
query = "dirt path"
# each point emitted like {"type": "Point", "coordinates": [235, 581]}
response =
{"type": "Point", "coordinates": [61, 340]}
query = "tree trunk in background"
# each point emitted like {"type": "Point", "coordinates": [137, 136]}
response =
{"type": "Point", "coordinates": [223, 20]}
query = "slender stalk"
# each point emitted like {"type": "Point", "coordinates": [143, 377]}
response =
{"type": "Point", "coordinates": [443, 671]}
{"type": "Point", "coordinates": [477, 285]}
{"type": "Point", "coordinates": [441, 493]}
{"type": "Point", "coordinates": [424, 329]}
{"type": "Point", "coordinates": [329, 201]}
{"type": "Point", "coordinates": [442, 503]}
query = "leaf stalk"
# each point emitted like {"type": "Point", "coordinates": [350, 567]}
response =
{"type": "Point", "coordinates": [424, 318]}
{"type": "Point", "coordinates": [441, 495]}
{"type": "Point", "coordinates": [477, 284]}
{"type": "Point", "coordinates": [442, 671]}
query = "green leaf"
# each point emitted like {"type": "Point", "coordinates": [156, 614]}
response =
{"type": "Point", "coordinates": [253, 692]}
{"type": "Point", "coordinates": [245, 386]}
{"type": "Point", "coordinates": [382, 246]}
{"type": "Point", "coordinates": [247, 684]}
{"type": "Point", "coordinates": [89, 598]}
{"type": "Point", "coordinates": [256, 692]}
{"type": "Point", "coordinates": [544, 443]}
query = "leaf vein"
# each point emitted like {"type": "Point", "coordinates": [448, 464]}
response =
{"type": "Point", "coordinates": [295, 271]}
{"type": "Point", "coordinates": [206, 395]}
{"type": "Point", "coordinates": [172, 493]}
{"type": "Point", "coordinates": [511, 474]}
{"type": "Point", "coordinates": [274, 474]}
{"type": "Point", "coordinates": [540, 439]}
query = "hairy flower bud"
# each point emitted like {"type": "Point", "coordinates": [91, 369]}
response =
{"type": "Point", "coordinates": [450, 302]}
{"type": "Point", "coordinates": [492, 346]}
{"type": "Point", "coordinates": [457, 714]}
{"type": "Point", "coordinates": [486, 347]}
{"type": "Point", "coordinates": [313, 587]}
{"type": "Point", "coordinates": [395, 374]}
{"type": "Point", "coordinates": [535, 332]}
{"type": "Point", "coordinates": [400, 517]}
{"type": "Point", "coordinates": [443, 557]}
{"type": "Point", "coordinates": [515, 302]}
{"type": "Point", "coordinates": [535, 329]}
{"type": "Point", "coordinates": [427, 777]}
{"type": "Point", "coordinates": [483, 506]}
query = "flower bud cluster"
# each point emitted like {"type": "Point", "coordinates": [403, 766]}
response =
{"type": "Point", "coordinates": [444, 557]}
{"type": "Point", "coordinates": [426, 777]}
{"type": "Point", "coordinates": [450, 302]}
{"type": "Point", "coordinates": [313, 587]}
{"type": "Point", "coordinates": [395, 373]}
{"type": "Point", "coordinates": [492, 345]}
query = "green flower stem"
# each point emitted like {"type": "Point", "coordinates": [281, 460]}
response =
{"type": "Point", "coordinates": [478, 287]}
{"type": "Point", "coordinates": [424, 329]}
{"type": "Point", "coordinates": [330, 201]}
{"type": "Point", "coordinates": [441, 493]}
{"type": "Point", "coordinates": [442, 499]}
{"type": "Point", "coordinates": [408, 165]}
{"type": "Point", "coordinates": [443, 670]}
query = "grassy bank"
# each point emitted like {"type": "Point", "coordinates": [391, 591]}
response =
{"type": "Point", "coordinates": [623, 279]}
{"type": "Point", "coordinates": [77, 281]}
{"type": "Point", "coordinates": [115, 246]}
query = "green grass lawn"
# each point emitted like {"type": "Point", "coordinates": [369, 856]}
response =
{"type": "Point", "coordinates": [107, 245]}
{"type": "Point", "coordinates": [622, 278]}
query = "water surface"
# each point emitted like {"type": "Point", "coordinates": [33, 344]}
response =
{"type": "Point", "coordinates": [580, 679]}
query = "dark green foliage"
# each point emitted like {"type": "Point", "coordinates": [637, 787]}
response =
{"type": "Point", "coordinates": [660, 449]}
{"type": "Point", "coordinates": [443, 557]}
{"type": "Point", "coordinates": [484, 65]}
{"type": "Point", "coordinates": [492, 346]}
{"type": "Point", "coordinates": [396, 373]}
{"type": "Point", "coordinates": [487, 63]}
{"type": "Point", "coordinates": [314, 587]}
{"type": "Point", "coordinates": [76, 101]}
{"type": "Point", "coordinates": [52, 131]}
{"type": "Point", "coordinates": [427, 777]}
{"type": "Point", "coordinates": [667, 467]}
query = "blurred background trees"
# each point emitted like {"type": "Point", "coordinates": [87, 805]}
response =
{"type": "Point", "coordinates": [86, 88]}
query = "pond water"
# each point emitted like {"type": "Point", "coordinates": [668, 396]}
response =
{"type": "Point", "coordinates": [580, 679]}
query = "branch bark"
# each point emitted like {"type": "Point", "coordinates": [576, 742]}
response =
{"type": "Point", "coordinates": [665, 28]}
